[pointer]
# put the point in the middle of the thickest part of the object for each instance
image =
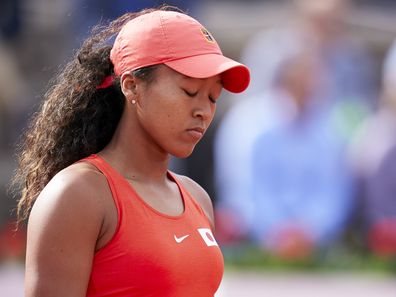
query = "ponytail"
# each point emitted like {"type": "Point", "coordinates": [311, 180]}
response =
{"type": "Point", "coordinates": [76, 118]}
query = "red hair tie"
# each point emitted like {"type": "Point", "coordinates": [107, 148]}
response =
{"type": "Point", "coordinates": [107, 82]}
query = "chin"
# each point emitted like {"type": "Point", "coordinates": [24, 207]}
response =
{"type": "Point", "coordinates": [182, 153]}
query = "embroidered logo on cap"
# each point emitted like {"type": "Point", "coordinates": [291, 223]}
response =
{"type": "Point", "coordinates": [209, 37]}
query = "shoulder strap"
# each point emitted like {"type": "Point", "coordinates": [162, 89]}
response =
{"type": "Point", "coordinates": [112, 180]}
{"type": "Point", "coordinates": [189, 199]}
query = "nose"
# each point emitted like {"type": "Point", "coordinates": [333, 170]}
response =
{"type": "Point", "coordinates": [204, 110]}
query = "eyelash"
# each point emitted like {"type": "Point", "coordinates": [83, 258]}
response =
{"type": "Point", "coordinates": [190, 94]}
{"type": "Point", "coordinates": [194, 94]}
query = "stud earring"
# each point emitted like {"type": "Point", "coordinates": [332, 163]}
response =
{"type": "Point", "coordinates": [133, 101]}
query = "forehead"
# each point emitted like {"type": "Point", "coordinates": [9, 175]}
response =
{"type": "Point", "coordinates": [165, 71]}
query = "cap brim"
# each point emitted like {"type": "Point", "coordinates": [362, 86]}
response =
{"type": "Point", "coordinates": [235, 76]}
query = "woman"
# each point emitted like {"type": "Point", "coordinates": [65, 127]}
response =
{"type": "Point", "coordinates": [106, 217]}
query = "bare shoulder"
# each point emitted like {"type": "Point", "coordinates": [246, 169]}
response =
{"type": "Point", "coordinates": [76, 185]}
{"type": "Point", "coordinates": [200, 195]}
{"type": "Point", "coordinates": [73, 197]}
{"type": "Point", "coordinates": [63, 229]}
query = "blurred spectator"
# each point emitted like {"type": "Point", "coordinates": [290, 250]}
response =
{"type": "Point", "coordinates": [294, 126]}
{"type": "Point", "coordinates": [373, 154]}
{"type": "Point", "coordinates": [234, 139]}
{"type": "Point", "coordinates": [301, 190]}
{"type": "Point", "coordinates": [280, 162]}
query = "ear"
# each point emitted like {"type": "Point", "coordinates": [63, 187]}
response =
{"type": "Point", "coordinates": [128, 85]}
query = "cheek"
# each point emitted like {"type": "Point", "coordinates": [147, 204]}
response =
{"type": "Point", "coordinates": [167, 111]}
{"type": "Point", "coordinates": [161, 115]}
{"type": "Point", "coordinates": [157, 118]}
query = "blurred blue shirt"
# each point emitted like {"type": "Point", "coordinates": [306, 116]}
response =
{"type": "Point", "coordinates": [300, 177]}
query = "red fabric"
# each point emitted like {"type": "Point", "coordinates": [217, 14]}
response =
{"type": "Point", "coordinates": [107, 82]}
{"type": "Point", "coordinates": [178, 41]}
{"type": "Point", "coordinates": [144, 258]}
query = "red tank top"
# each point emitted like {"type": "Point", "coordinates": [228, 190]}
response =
{"type": "Point", "coordinates": [151, 253]}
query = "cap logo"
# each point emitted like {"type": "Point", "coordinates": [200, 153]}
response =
{"type": "Point", "coordinates": [207, 35]}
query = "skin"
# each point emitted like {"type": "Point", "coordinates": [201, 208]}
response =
{"type": "Point", "coordinates": [75, 214]}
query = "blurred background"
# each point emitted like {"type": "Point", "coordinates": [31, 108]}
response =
{"type": "Point", "coordinates": [301, 167]}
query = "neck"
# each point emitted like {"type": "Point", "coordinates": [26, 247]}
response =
{"type": "Point", "coordinates": [134, 154]}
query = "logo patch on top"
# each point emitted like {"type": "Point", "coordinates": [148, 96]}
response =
{"type": "Point", "coordinates": [207, 236]}
{"type": "Point", "coordinates": [209, 37]}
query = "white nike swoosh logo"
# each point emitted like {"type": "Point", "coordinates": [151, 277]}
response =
{"type": "Point", "coordinates": [180, 239]}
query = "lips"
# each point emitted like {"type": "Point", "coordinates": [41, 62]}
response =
{"type": "Point", "coordinates": [196, 132]}
{"type": "Point", "coordinates": [198, 129]}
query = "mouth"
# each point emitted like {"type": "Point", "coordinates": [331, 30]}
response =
{"type": "Point", "coordinates": [196, 132]}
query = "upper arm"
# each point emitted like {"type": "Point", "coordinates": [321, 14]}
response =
{"type": "Point", "coordinates": [201, 196]}
{"type": "Point", "coordinates": [63, 228]}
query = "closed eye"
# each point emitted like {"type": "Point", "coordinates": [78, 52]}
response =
{"type": "Point", "coordinates": [193, 94]}
{"type": "Point", "coordinates": [190, 94]}
{"type": "Point", "coordinates": [212, 100]}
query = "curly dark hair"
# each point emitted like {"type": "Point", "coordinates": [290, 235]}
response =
{"type": "Point", "coordinates": [76, 119]}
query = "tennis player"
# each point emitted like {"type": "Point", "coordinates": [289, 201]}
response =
{"type": "Point", "coordinates": [106, 216]}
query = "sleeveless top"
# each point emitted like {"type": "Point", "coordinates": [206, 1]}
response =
{"type": "Point", "coordinates": [151, 253]}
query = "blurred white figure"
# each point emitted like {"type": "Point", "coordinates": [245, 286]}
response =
{"type": "Point", "coordinates": [238, 131]}
{"type": "Point", "coordinates": [373, 155]}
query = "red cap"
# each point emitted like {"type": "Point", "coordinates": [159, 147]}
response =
{"type": "Point", "coordinates": [178, 41]}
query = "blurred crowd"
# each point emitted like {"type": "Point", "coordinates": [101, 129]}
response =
{"type": "Point", "coordinates": [305, 156]}
{"type": "Point", "coordinates": [309, 153]}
